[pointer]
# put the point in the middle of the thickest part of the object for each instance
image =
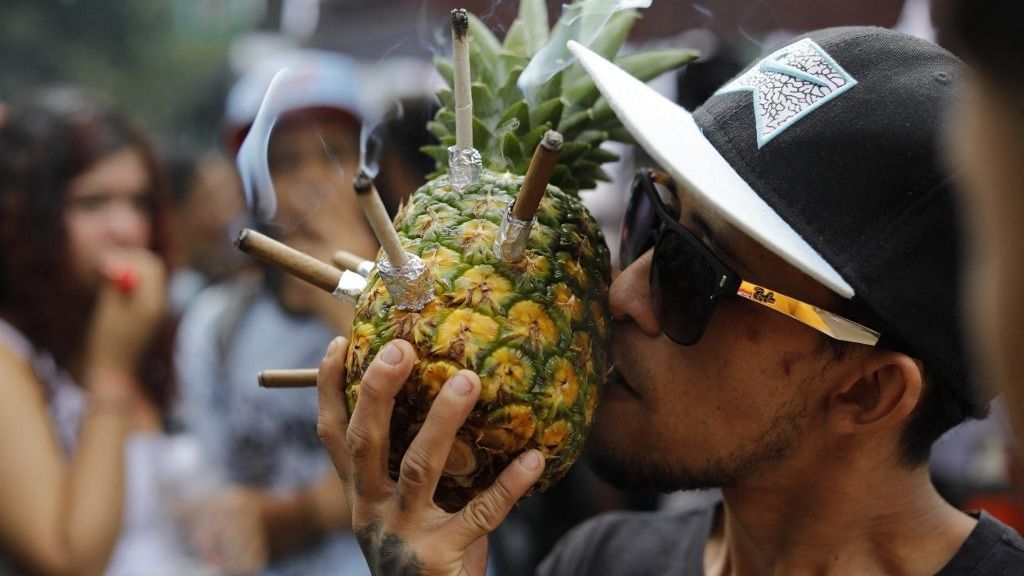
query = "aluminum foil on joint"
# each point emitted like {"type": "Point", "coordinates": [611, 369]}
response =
{"type": "Point", "coordinates": [465, 165]}
{"type": "Point", "coordinates": [513, 235]}
{"type": "Point", "coordinates": [350, 287]}
{"type": "Point", "coordinates": [411, 287]}
{"type": "Point", "coordinates": [364, 268]}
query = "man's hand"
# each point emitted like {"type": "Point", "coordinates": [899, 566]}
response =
{"type": "Point", "coordinates": [400, 529]}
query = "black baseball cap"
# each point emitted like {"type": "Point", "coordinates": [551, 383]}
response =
{"type": "Point", "coordinates": [827, 151]}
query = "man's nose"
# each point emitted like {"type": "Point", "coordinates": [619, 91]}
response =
{"type": "Point", "coordinates": [630, 296]}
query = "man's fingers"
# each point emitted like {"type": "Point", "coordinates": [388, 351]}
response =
{"type": "Point", "coordinates": [368, 430]}
{"type": "Point", "coordinates": [485, 512]}
{"type": "Point", "coordinates": [332, 415]}
{"type": "Point", "coordinates": [425, 459]}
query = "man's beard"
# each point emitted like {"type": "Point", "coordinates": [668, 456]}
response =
{"type": "Point", "coordinates": [641, 469]}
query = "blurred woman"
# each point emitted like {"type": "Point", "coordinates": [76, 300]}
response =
{"type": "Point", "coordinates": [82, 283]}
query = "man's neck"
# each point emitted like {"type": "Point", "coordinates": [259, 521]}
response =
{"type": "Point", "coordinates": [872, 523]}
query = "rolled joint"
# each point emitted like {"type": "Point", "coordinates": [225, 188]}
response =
{"type": "Point", "coordinates": [300, 378]}
{"type": "Point", "coordinates": [288, 259]}
{"type": "Point", "coordinates": [513, 234]}
{"type": "Point", "coordinates": [377, 216]}
{"type": "Point", "coordinates": [349, 261]}
{"type": "Point", "coordinates": [538, 175]}
{"type": "Point", "coordinates": [411, 285]}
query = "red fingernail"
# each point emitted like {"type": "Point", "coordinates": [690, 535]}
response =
{"type": "Point", "coordinates": [125, 280]}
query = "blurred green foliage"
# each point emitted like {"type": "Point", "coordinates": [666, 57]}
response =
{"type": "Point", "coordinates": [159, 59]}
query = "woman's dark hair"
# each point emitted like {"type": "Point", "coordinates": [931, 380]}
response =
{"type": "Point", "coordinates": [47, 141]}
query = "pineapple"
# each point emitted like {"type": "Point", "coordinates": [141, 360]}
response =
{"type": "Point", "coordinates": [535, 329]}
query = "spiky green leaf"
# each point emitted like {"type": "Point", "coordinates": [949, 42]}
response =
{"type": "Point", "coordinates": [509, 91]}
{"type": "Point", "coordinates": [447, 98]}
{"type": "Point", "coordinates": [484, 103]}
{"type": "Point", "coordinates": [574, 124]}
{"type": "Point", "coordinates": [534, 16]}
{"type": "Point", "coordinates": [599, 155]}
{"type": "Point", "coordinates": [550, 111]}
{"type": "Point", "coordinates": [515, 39]}
{"type": "Point", "coordinates": [485, 48]}
{"type": "Point", "coordinates": [511, 150]}
{"type": "Point", "coordinates": [643, 66]}
{"type": "Point", "coordinates": [551, 89]}
{"type": "Point", "coordinates": [437, 129]}
{"type": "Point", "coordinates": [614, 33]}
{"type": "Point", "coordinates": [518, 113]}
{"type": "Point", "coordinates": [438, 153]}
{"type": "Point", "coordinates": [609, 41]}
{"type": "Point", "coordinates": [573, 151]}
{"type": "Point", "coordinates": [483, 138]}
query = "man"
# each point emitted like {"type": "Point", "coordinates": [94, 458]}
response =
{"type": "Point", "coordinates": [282, 506]}
{"type": "Point", "coordinates": [790, 338]}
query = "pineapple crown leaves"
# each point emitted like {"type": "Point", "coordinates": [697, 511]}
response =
{"type": "Point", "coordinates": [507, 129]}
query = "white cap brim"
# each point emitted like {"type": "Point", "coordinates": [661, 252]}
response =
{"type": "Point", "coordinates": [671, 136]}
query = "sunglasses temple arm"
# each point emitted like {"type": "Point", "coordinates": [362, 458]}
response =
{"type": "Point", "coordinates": [824, 321]}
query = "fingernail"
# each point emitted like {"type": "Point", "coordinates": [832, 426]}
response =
{"type": "Point", "coordinates": [460, 385]}
{"type": "Point", "coordinates": [391, 354]}
{"type": "Point", "coordinates": [530, 461]}
{"type": "Point", "coordinates": [332, 348]}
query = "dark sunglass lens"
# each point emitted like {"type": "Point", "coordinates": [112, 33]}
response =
{"type": "Point", "coordinates": [682, 285]}
{"type": "Point", "coordinates": [638, 226]}
{"type": "Point", "coordinates": [668, 198]}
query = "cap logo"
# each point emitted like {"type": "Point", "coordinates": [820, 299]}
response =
{"type": "Point", "coordinates": [790, 84]}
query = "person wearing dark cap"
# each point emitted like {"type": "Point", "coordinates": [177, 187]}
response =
{"type": "Point", "coordinates": [786, 329]}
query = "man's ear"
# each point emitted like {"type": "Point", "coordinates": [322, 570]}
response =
{"type": "Point", "coordinates": [877, 390]}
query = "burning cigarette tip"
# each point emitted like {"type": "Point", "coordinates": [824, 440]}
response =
{"type": "Point", "coordinates": [552, 141]}
{"type": "Point", "coordinates": [460, 23]}
{"type": "Point", "coordinates": [362, 183]}
{"type": "Point", "coordinates": [243, 237]}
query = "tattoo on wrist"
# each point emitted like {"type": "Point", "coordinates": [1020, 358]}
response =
{"type": "Point", "coordinates": [387, 554]}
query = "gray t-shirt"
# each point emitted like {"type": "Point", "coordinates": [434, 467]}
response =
{"type": "Point", "coordinates": [252, 436]}
{"type": "Point", "coordinates": [672, 543]}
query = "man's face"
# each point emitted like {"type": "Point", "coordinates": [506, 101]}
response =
{"type": "Point", "coordinates": [312, 162]}
{"type": "Point", "coordinates": [721, 412]}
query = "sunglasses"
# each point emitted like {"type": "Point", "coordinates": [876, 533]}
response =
{"type": "Point", "coordinates": [688, 279]}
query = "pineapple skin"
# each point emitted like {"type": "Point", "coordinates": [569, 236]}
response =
{"type": "Point", "coordinates": [535, 330]}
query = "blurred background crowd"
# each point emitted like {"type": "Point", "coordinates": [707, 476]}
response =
{"type": "Point", "coordinates": [128, 319]}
